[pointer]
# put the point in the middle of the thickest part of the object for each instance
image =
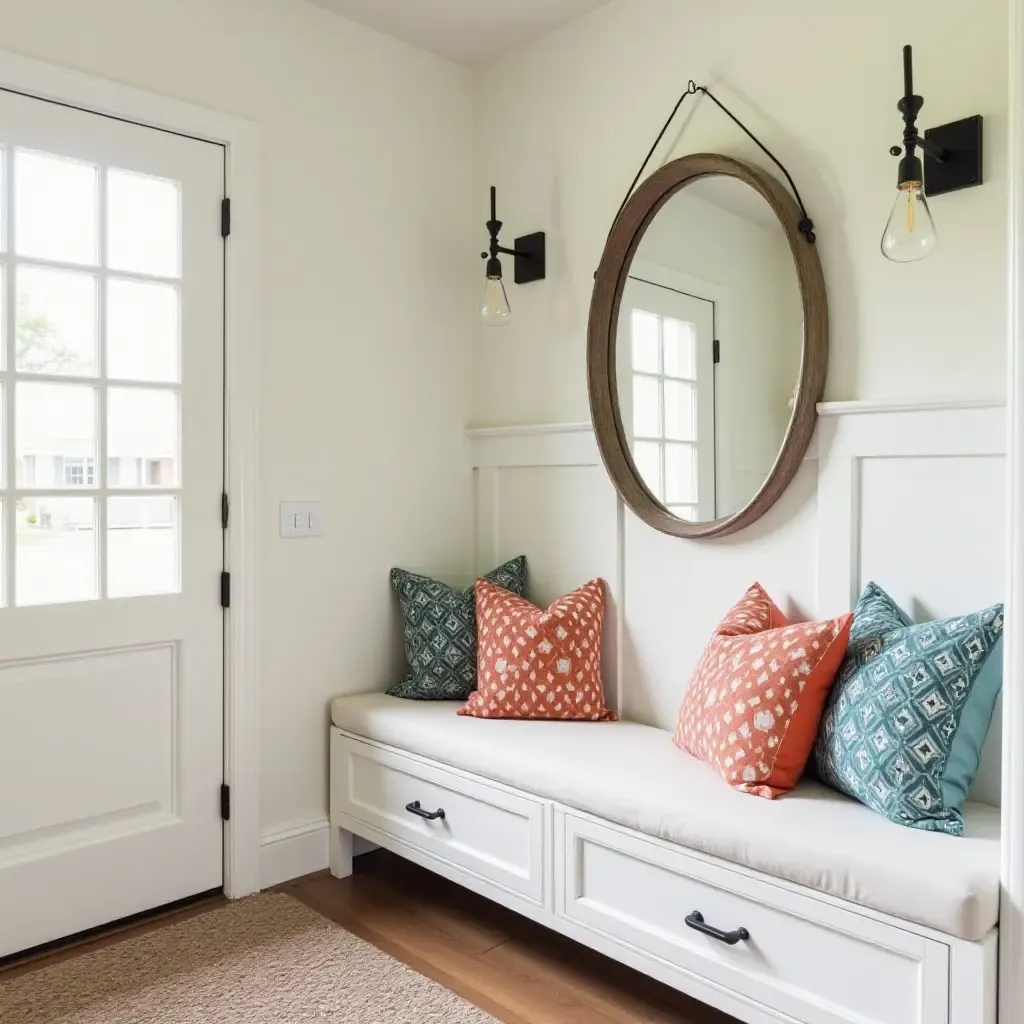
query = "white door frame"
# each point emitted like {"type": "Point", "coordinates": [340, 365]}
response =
{"type": "Point", "coordinates": [241, 140]}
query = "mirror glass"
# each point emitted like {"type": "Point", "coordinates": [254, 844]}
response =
{"type": "Point", "coordinates": [708, 349]}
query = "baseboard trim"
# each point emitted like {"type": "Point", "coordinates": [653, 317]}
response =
{"type": "Point", "coordinates": [302, 850]}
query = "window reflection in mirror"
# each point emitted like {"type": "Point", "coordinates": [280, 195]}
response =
{"type": "Point", "coordinates": [709, 345]}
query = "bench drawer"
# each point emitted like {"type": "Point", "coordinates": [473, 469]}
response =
{"type": "Point", "coordinates": [802, 957]}
{"type": "Point", "coordinates": [488, 830]}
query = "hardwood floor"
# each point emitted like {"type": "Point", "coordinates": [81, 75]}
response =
{"type": "Point", "coordinates": [519, 971]}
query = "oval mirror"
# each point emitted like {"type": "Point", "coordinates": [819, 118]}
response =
{"type": "Point", "coordinates": [708, 346]}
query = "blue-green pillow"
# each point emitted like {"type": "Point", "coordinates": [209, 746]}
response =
{"type": "Point", "coordinates": [440, 632]}
{"type": "Point", "coordinates": [910, 710]}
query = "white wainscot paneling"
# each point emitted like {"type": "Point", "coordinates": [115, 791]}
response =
{"type": "Point", "coordinates": [543, 492]}
{"type": "Point", "coordinates": [932, 531]}
{"type": "Point", "coordinates": [67, 783]}
{"type": "Point", "coordinates": [914, 498]}
{"type": "Point", "coordinates": [676, 592]}
{"type": "Point", "coordinates": [911, 495]}
{"type": "Point", "coordinates": [933, 534]}
{"type": "Point", "coordinates": [564, 522]}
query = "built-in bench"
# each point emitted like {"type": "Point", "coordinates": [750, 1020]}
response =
{"type": "Point", "coordinates": [809, 908]}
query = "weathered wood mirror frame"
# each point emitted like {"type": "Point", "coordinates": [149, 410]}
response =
{"type": "Point", "coordinates": [612, 274]}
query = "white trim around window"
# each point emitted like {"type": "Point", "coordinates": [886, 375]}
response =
{"type": "Point", "coordinates": [242, 141]}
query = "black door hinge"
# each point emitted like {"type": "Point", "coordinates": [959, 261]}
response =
{"type": "Point", "coordinates": [716, 351]}
{"type": "Point", "coordinates": [225, 590]}
{"type": "Point", "coordinates": [225, 218]}
{"type": "Point", "coordinates": [225, 511]}
{"type": "Point", "coordinates": [225, 802]}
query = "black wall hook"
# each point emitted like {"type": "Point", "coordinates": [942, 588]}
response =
{"type": "Point", "coordinates": [805, 225]}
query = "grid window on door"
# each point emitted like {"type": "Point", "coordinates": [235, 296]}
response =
{"type": "Point", "coordinates": [90, 292]}
{"type": "Point", "coordinates": [665, 409]}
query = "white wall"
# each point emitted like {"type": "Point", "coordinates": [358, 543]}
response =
{"type": "Point", "coordinates": [366, 316]}
{"type": "Point", "coordinates": [562, 126]}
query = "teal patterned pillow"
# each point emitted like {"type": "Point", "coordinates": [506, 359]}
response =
{"type": "Point", "coordinates": [440, 632]}
{"type": "Point", "coordinates": [910, 710]}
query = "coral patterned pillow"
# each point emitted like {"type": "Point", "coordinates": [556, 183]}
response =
{"type": "Point", "coordinates": [756, 699]}
{"type": "Point", "coordinates": [533, 663]}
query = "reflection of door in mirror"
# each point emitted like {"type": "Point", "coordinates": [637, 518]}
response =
{"type": "Point", "coordinates": [703, 375]}
{"type": "Point", "coordinates": [715, 257]}
{"type": "Point", "coordinates": [666, 378]}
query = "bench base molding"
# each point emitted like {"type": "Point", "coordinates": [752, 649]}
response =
{"type": "Point", "coordinates": [809, 958]}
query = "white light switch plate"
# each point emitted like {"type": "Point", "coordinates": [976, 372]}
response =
{"type": "Point", "coordinates": [301, 519]}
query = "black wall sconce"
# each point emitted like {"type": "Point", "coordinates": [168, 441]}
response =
{"type": "Point", "coordinates": [952, 160]}
{"type": "Point", "coordinates": [530, 265]}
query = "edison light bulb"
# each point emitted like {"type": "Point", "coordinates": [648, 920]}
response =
{"type": "Point", "coordinates": [910, 234]}
{"type": "Point", "coordinates": [495, 310]}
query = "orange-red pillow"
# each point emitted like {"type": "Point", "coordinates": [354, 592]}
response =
{"type": "Point", "coordinates": [535, 663]}
{"type": "Point", "coordinates": [756, 699]}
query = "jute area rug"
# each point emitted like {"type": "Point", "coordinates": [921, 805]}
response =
{"type": "Point", "coordinates": [265, 959]}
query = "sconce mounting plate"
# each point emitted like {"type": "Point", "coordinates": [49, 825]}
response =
{"type": "Point", "coordinates": [531, 258]}
{"type": "Point", "coordinates": [962, 168]}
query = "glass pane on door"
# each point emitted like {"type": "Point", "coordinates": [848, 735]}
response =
{"type": "Point", "coordinates": [55, 550]}
{"type": "Point", "coordinates": [647, 458]}
{"type": "Point", "coordinates": [55, 208]}
{"type": "Point", "coordinates": [680, 349]}
{"type": "Point", "coordinates": [143, 331]}
{"type": "Point", "coordinates": [680, 411]}
{"type": "Point", "coordinates": [646, 407]}
{"type": "Point", "coordinates": [142, 437]}
{"type": "Point", "coordinates": [644, 329]}
{"type": "Point", "coordinates": [142, 546]}
{"type": "Point", "coordinates": [55, 431]}
{"type": "Point", "coordinates": [143, 224]}
{"type": "Point", "coordinates": [56, 322]}
{"type": "Point", "coordinates": [680, 474]}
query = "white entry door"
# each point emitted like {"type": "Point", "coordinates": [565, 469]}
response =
{"type": "Point", "coordinates": [111, 649]}
{"type": "Point", "coordinates": [666, 374]}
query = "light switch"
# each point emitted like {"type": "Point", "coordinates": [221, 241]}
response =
{"type": "Point", "coordinates": [301, 519]}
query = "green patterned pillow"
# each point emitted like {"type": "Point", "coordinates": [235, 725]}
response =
{"type": "Point", "coordinates": [440, 632]}
{"type": "Point", "coordinates": [910, 710]}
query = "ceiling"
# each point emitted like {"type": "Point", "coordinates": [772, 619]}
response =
{"type": "Point", "coordinates": [467, 31]}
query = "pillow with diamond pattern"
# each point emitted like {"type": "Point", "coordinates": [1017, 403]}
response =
{"type": "Point", "coordinates": [754, 702]}
{"type": "Point", "coordinates": [537, 662]}
{"type": "Point", "coordinates": [440, 632]}
{"type": "Point", "coordinates": [906, 722]}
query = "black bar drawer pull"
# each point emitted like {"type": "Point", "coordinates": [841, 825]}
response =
{"type": "Point", "coordinates": [696, 922]}
{"type": "Point", "coordinates": [415, 808]}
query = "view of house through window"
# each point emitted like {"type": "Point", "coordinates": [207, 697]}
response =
{"type": "Point", "coordinates": [665, 409]}
{"type": "Point", "coordinates": [79, 473]}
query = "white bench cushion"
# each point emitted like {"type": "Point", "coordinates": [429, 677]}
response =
{"type": "Point", "coordinates": [633, 775]}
